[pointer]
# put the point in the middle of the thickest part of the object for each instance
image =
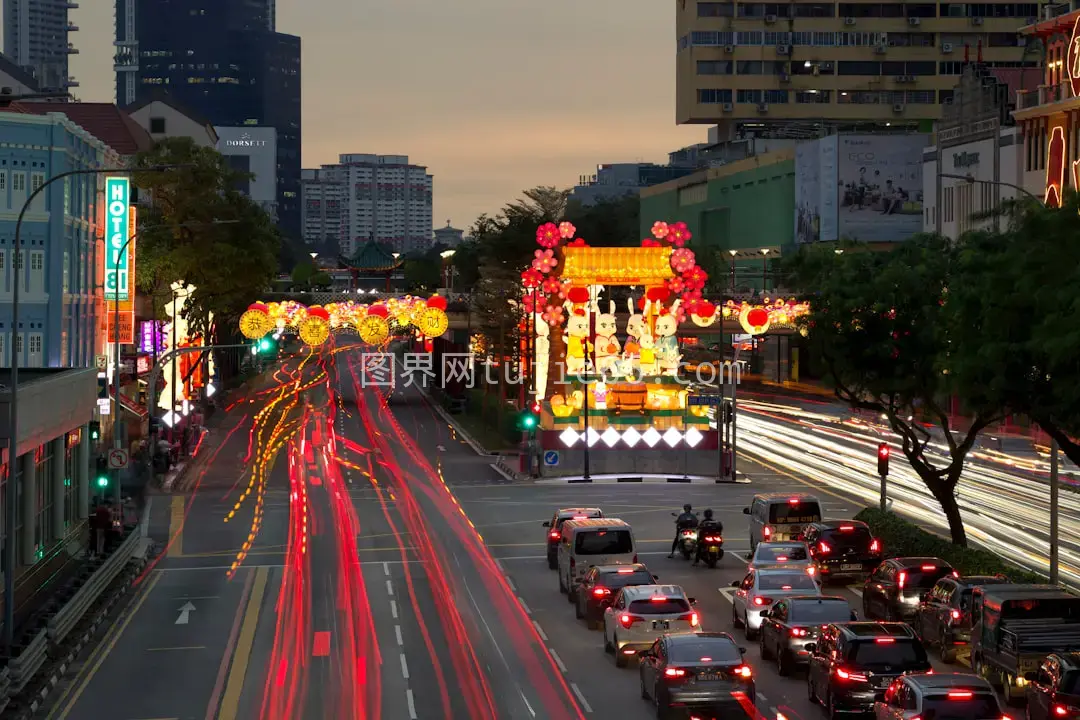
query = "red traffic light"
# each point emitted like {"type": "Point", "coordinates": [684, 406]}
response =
{"type": "Point", "coordinates": [883, 450]}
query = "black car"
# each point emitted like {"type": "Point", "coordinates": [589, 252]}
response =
{"type": "Point", "coordinates": [895, 588]}
{"type": "Point", "coordinates": [1053, 693]}
{"type": "Point", "coordinates": [842, 549]}
{"type": "Point", "coordinates": [853, 664]}
{"type": "Point", "coordinates": [943, 617]}
{"type": "Point", "coordinates": [599, 586]}
{"type": "Point", "coordinates": [699, 673]}
{"type": "Point", "coordinates": [792, 625]}
{"type": "Point", "coordinates": [555, 524]}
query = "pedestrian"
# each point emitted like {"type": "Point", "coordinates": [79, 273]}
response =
{"type": "Point", "coordinates": [102, 524]}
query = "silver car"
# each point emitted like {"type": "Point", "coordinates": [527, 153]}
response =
{"type": "Point", "coordinates": [790, 555]}
{"type": "Point", "coordinates": [755, 594]}
{"type": "Point", "coordinates": [639, 614]}
{"type": "Point", "coordinates": [952, 695]}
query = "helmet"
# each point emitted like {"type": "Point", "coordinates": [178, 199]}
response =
{"type": "Point", "coordinates": [708, 514]}
{"type": "Point", "coordinates": [686, 507]}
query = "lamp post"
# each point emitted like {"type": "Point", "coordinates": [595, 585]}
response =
{"type": "Point", "coordinates": [765, 269]}
{"type": "Point", "coordinates": [448, 270]}
{"type": "Point", "coordinates": [10, 496]}
{"type": "Point", "coordinates": [733, 253]}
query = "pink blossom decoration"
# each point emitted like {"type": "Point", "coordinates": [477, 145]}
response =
{"type": "Point", "coordinates": [552, 286]}
{"type": "Point", "coordinates": [691, 295]}
{"type": "Point", "coordinates": [567, 230]}
{"type": "Point", "coordinates": [695, 278]}
{"type": "Point", "coordinates": [649, 242]}
{"type": "Point", "coordinates": [682, 260]}
{"type": "Point", "coordinates": [578, 242]}
{"type": "Point", "coordinates": [547, 235]}
{"type": "Point", "coordinates": [545, 261]}
{"type": "Point", "coordinates": [553, 315]}
{"type": "Point", "coordinates": [528, 302]}
{"type": "Point", "coordinates": [675, 285]}
{"type": "Point", "coordinates": [680, 315]}
{"type": "Point", "coordinates": [660, 229]}
{"type": "Point", "coordinates": [531, 278]}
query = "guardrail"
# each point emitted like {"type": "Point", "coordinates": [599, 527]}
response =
{"type": "Point", "coordinates": [60, 624]}
{"type": "Point", "coordinates": [25, 665]}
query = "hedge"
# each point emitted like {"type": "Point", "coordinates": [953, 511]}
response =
{"type": "Point", "coordinates": [905, 539]}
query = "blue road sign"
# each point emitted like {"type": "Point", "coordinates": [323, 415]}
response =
{"type": "Point", "coordinates": [703, 400]}
{"type": "Point", "coordinates": [551, 458]}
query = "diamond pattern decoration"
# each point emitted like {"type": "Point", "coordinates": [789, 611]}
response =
{"type": "Point", "coordinates": [610, 437]}
{"type": "Point", "coordinates": [569, 436]}
{"type": "Point", "coordinates": [651, 437]}
{"type": "Point", "coordinates": [592, 437]}
{"type": "Point", "coordinates": [693, 436]}
{"type": "Point", "coordinates": [672, 437]}
{"type": "Point", "coordinates": [631, 437]}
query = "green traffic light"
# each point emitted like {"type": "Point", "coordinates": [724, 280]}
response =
{"type": "Point", "coordinates": [528, 421]}
{"type": "Point", "coordinates": [94, 435]}
{"type": "Point", "coordinates": [264, 345]}
{"type": "Point", "coordinates": [102, 481]}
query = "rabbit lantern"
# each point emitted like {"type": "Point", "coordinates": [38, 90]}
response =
{"type": "Point", "coordinates": [578, 346]}
{"type": "Point", "coordinates": [667, 345]}
{"type": "Point", "coordinates": [607, 341]}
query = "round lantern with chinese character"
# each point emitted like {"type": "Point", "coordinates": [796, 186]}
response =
{"type": "Point", "coordinates": [256, 322]}
{"type": "Point", "coordinates": [703, 313]}
{"type": "Point", "coordinates": [315, 327]}
{"type": "Point", "coordinates": [374, 328]}
{"type": "Point", "coordinates": [754, 320]}
{"type": "Point", "coordinates": [433, 320]}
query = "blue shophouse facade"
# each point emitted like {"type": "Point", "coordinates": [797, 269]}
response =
{"type": "Point", "coordinates": [58, 310]}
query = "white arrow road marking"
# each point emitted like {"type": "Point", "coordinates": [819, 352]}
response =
{"type": "Point", "coordinates": [440, 448]}
{"type": "Point", "coordinates": [726, 593]}
{"type": "Point", "coordinates": [185, 613]}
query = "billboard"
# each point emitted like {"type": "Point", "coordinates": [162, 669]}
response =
{"type": "Point", "coordinates": [117, 234]}
{"type": "Point", "coordinates": [859, 187]}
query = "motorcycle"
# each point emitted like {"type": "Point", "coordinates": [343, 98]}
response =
{"type": "Point", "coordinates": [688, 539]}
{"type": "Point", "coordinates": [711, 548]}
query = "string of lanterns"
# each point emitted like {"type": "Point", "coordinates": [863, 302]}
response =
{"type": "Point", "coordinates": [372, 322]}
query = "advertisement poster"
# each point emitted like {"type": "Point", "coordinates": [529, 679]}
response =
{"type": "Point", "coordinates": [815, 201]}
{"type": "Point", "coordinates": [880, 187]}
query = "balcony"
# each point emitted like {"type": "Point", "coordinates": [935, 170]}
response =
{"type": "Point", "coordinates": [1044, 95]}
{"type": "Point", "coordinates": [72, 27]}
{"type": "Point", "coordinates": [72, 50]}
{"type": "Point", "coordinates": [71, 5]}
{"type": "Point", "coordinates": [71, 82]}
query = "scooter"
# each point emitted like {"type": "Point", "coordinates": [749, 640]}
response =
{"type": "Point", "coordinates": [688, 539]}
{"type": "Point", "coordinates": [711, 549]}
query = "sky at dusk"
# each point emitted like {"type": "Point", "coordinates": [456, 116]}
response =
{"type": "Point", "coordinates": [494, 97]}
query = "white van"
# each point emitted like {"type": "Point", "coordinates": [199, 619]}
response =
{"type": "Point", "coordinates": [776, 517]}
{"type": "Point", "coordinates": [592, 541]}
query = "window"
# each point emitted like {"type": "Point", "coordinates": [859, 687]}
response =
{"type": "Point", "coordinates": [820, 612]}
{"type": "Point", "coordinates": [604, 542]}
{"type": "Point", "coordinates": [36, 281]}
{"type": "Point", "coordinates": [18, 182]}
{"type": "Point", "coordinates": [36, 181]}
{"type": "Point", "coordinates": [807, 511]}
{"type": "Point", "coordinates": [782, 581]}
{"type": "Point", "coordinates": [71, 508]}
{"type": "Point", "coordinates": [43, 532]}
{"type": "Point", "coordinates": [659, 606]}
{"type": "Point", "coordinates": [3, 350]}
{"type": "Point", "coordinates": [157, 125]}
{"type": "Point", "coordinates": [34, 358]}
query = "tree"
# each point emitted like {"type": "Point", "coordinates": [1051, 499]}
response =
{"type": "Point", "coordinates": [607, 223]}
{"type": "Point", "coordinates": [302, 274]}
{"type": "Point", "coordinates": [424, 271]}
{"type": "Point", "coordinates": [1015, 302]}
{"type": "Point", "coordinates": [321, 280]}
{"type": "Point", "coordinates": [202, 232]}
{"type": "Point", "coordinates": [880, 323]}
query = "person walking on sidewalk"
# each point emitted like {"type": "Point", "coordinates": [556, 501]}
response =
{"type": "Point", "coordinates": [100, 525]}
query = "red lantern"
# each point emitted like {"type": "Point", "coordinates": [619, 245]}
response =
{"type": "Point", "coordinates": [318, 312]}
{"type": "Point", "coordinates": [578, 295]}
{"type": "Point", "coordinates": [437, 301]}
{"type": "Point", "coordinates": [757, 317]}
{"type": "Point", "coordinates": [658, 294]}
{"type": "Point", "coordinates": [379, 310]}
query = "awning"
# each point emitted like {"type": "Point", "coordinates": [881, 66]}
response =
{"type": "Point", "coordinates": [132, 407]}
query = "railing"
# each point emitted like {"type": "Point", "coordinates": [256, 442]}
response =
{"type": "Point", "coordinates": [1044, 95]}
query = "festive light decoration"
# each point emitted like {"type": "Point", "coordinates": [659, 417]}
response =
{"type": "Point", "coordinates": [315, 327]}
{"type": "Point", "coordinates": [433, 322]}
{"type": "Point", "coordinates": [374, 328]}
{"type": "Point", "coordinates": [617, 266]}
{"type": "Point", "coordinates": [754, 320]}
{"type": "Point", "coordinates": [256, 322]}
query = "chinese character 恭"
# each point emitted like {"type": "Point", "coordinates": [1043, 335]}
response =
{"type": "Point", "coordinates": [376, 370]}
{"type": "Point", "coordinates": [458, 367]}
{"type": "Point", "coordinates": [417, 363]}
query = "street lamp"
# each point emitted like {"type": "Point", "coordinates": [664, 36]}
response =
{"type": "Point", "coordinates": [10, 496]}
{"type": "Point", "coordinates": [733, 253]}
{"type": "Point", "coordinates": [448, 269]}
{"type": "Point", "coordinates": [764, 269]}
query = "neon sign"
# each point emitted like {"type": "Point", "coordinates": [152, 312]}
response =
{"type": "Point", "coordinates": [117, 232]}
{"type": "Point", "coordinates": [1055, 167]}
{"type": "Point", "coordinates": [1072, 59]}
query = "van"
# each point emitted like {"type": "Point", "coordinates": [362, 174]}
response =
{"type": "Point", "coordinates": [592, 541]}
{"type": "Point", "coordinates": [775, 517]}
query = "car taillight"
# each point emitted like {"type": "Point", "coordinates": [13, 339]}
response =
{"type": "Point", "coordinates": [714, 538]}
{"type": "Point", "coordinates": [553, 535]}
{"type": "Point", "coordinates": [955, 614]}
{"type": "Point", "coordinates": [885, 641]}
{"type": "Point", "coordinates": [767, 532]}
{"type": "Point", "coordinates": [928, 568]}
{"type": "Point", "coordinates": [959, 695]}
{"type": "Point", "coordinates": [781, 558]}
{"type": "Point", "coordinates": [824, 548]}
{"type": "Point", "coordinates": [902, 580]}
{"type": "Point", "coordinates": [847, 528]}
{"type": "Point", "coordinates": [1065, 710]}
{"type": "Point", "coordinates": [674, 672]}
{"type": "Point", "coordinates": [811, 570]}
{"type": "Point", "coordinates": [956, 574]}
{"type": "Point", "coordinates": [743, 671]}
{"type": "Point", "coordinates": [848, 675]}
{"type": "Point", "coordinates": [600, 592]}
{"type": "Point", "coordinates": [635, 558]}
{"type": "Point", "coordinates": [691, 618]}
{"type": "Point", "coordinates": [628, 620]}
{"type": "Point", "coordinates": [761, 601]}
{"type": "Point", "coordinates": [875, 546]}
{"type": "Point", "coordinates": [798, 632]}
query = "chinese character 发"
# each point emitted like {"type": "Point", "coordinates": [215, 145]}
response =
{"type": "Point", "coordinates": [376, 370]}
{"type": "Point", "coordinates": [417, 363]}
{"type": "Point", "coordinates": [458, 367]}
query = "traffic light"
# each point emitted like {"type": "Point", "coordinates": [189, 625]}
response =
{"type": "Point", "coordinates": [883, 459]}
{"type": "Point", "coordinates": [529, 419]}
{"type": "Point", "coordinates": [266, 345]}
{"type": "Point", "coordinates": [101, 477]}
{"type": "Point", "coordinates": [95, 430]}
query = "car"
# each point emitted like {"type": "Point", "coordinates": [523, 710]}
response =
{"type": "Point", "coordinates": [600, 584]}
{"type": "Point", "coordinates": [589, 542]}
{"type": "Point", "coordinates": [791, 555]}
{"type": "Point", "coordinates": [943, 617]}
{"type": "Point", "coordinates": [1053, 692]}
{"type": "Point", "coordinates": [792, 625]}
{"type": "Point", "coordinates": [775, 516]}
{"type": "Point", "coordinates": [895, 587]}
{"type": "Point", "coordinates": [949, 696]}
{"type": "Point", "coordinates": [555, 524]}
{"type": "Point", "coordinates": [756, 592]}
{"type": "Point", "coordinates": [853, 664]}
{"type": "Point", "coordinates": [641, 613]}
{"type": "Point", "coordinates": [842, 550]}
{"type": "Point", "coordinates": [701, 672]}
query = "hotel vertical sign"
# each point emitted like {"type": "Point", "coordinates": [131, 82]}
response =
{"type": "Point", "coordinates": [118, 274]}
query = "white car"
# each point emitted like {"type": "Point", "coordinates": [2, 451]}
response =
{"type": "Point", "coordinates": [789, 554]}
{"type": "Point", "coordinates": [640, 614]}
{"type": "Point", "coordinates": [755, 594]}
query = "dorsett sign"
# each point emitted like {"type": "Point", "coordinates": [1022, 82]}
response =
{"type": "Point", "coordinates": [965, 159]}
{"type": "Point", "coordinates": [245, 141]}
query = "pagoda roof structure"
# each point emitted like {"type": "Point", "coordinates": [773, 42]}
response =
{"type": "Point", "coordinates": [372, 256]}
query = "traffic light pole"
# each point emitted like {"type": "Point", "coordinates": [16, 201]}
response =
{"type": "Point", "coordinates": [883, 453]}
{"type": "Point", "coordinates": [155, 372]}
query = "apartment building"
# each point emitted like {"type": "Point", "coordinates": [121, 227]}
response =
{"type": "Point", "coordinates": [387, 199]}
{"type": "Point", "coordinates": [837, 64]}
{"type": "Point", "coordinates": [322, 199]}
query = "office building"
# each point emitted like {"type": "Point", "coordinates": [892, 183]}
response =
{"type": "Point", "coordinates": [36, 38]}
{"type": "Point", "coordinates": [252, 150]}
{"type": "Point", "coordinates": [615, 180]}
{"type": "Point", "coordinates": [387, 199]}
{"type": "Point", "coordinates": [218, 58]}
{"type": "Point", "coordinates": [804, 68]}
{"type": "Point", "coordinates": [322, 201]}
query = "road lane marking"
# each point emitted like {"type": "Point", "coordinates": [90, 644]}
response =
{"type": "Point", "coordinates": [397, 634]}
{"type": "Point", "coordinates": [855, 591]}
{"type": "Point", "coordinates": [510, 583]}
{"type": "Point", "coordinates": [393, 609]}
{"type": "Point", "coordinates": [404, 666]}
{"type": "Point", "coordinates": [412, 704]}
{"type": "Point", "coordinates": [176, 527]}
{"type": "Point", "coordinates": [390, 588]}
{"type": "Point", "coordinates": [558, 660]}
{"type": "Point", "coordinates": [581, 698]}
{"type": "Point", "coordinates": [526, 701]}
{"type": "Point", "coordinates": [540, 631]}
{"type": "Point", "coordinates": [726, 593]}
{"type": "Point", "coordinates": [386, 568]}
{"type": "Point", "coordinates": [524, 607]}
{"type": "Point", "coordinates": [320, 645]}
{"type": "Point", "coordinates": [230, 701]}
{"type": "Point", "coordinates": [169, 649]}
{"type": "Point", "coordinates": [230, 645]}
{"type": "Point", "coordinates": [115, 632]}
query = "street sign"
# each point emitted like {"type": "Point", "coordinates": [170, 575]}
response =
{"type": "Point", "coordinates": [704, 400]}
{"type": "Point", "coordinates": [118, 459]}
{"type": "Point", "coordinates": [102, 362]}
{"type": "Point", "coordinates": [551, 458]}
{"type": "Point", "coordinates": [104, 406]}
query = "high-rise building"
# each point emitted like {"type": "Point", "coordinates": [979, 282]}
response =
{"type": "Point", "coordinates": [808, 66]}
{"type": "Point", "coordinates": [385, 198]}
{"type": "Point", "coordinates": [36, 38]}
{"type": "Point", "coordinates": [221, 59]}
{"type": "Point", "coordinates": [322, 201]}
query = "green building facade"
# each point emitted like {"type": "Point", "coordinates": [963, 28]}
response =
{"type": "Point", "coordinates": [742, 216]}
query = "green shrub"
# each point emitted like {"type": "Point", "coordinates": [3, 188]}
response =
{"type": "Point", "coordinates": [902, 538]}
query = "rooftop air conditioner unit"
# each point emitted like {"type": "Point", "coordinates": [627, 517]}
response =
{"type": "Point", "coordinates": [729, 49]}
{"type": "Point", "coordinates": [849, 21]}
{"type": "Point", "coordinates": [728, 107]}
{"type": "Point", "coordinates": [763, 107]}
{"type": "Point", "coordinates": [898, 108]}
{"type": "Point", "coordinates": [946, 47]}
{"type": "Point", "coordinates": [783, 49]}
{"type": "Point", "coordinates": [976, 21]}
{"type": "Point", "coordinates": [770, 19]}
{"type": "Point", "coordinates": [913, 21]}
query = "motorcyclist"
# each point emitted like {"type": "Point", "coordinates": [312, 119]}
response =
{"type": "Point", "coordinates": [686, 520]}
{"type": "Point", "coordinates": [708, 526]}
